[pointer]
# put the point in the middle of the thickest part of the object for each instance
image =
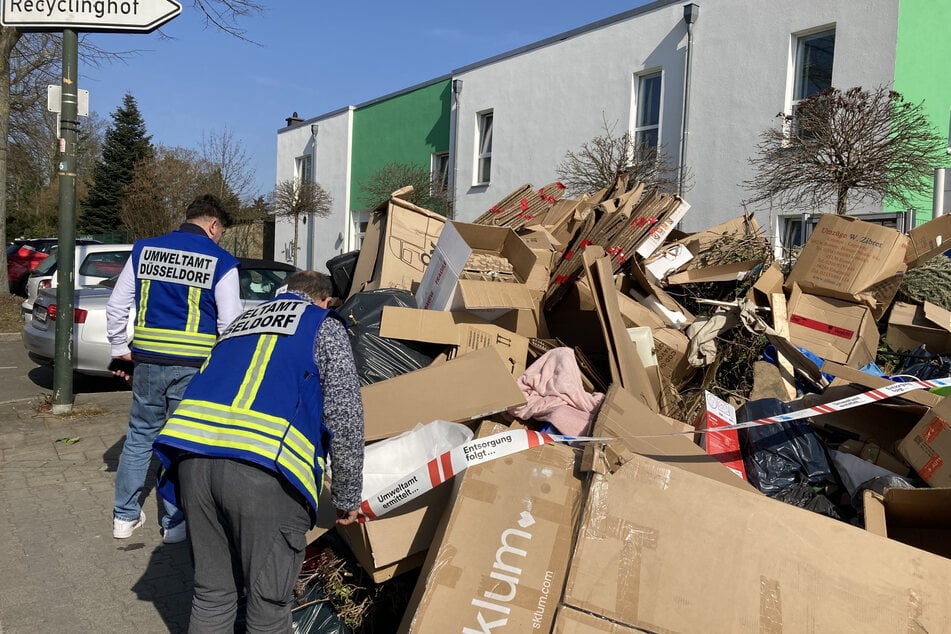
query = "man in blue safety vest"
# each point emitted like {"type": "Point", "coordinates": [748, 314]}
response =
{"type": "Point", "coordinates": [183, 290]}
{"type": "Point", "coordinates": [245, 453]}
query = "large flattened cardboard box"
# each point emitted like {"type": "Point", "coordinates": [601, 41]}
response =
{"type": "Point", "coordinates": [448, 285]}
{"type": "Point", "coordinates": [927, 447]}
{"type": "Point", "coordinates": [928, 240]}
{"type": "Point", "coordinates": [667, 550]}
{"type": "Point", "coordinates": [572, 621]}
{"type": "Point", "coordinates": [499, 559]}
{"type": "Point", "coordinates": [917, 517]}
{"type": "Point", "coordinates": [833, 329]}
{"type": "Point", "coordinates": [911, 325]}
{"type": "Point", "coordinates": [397, 246]}
{"type": "Point", "coordinates": [851, 259]}
{"type": "Point", "coordinates": [464, 389]}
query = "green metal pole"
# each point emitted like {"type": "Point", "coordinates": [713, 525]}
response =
{"type": "Point", "coordinates": [65, 274]}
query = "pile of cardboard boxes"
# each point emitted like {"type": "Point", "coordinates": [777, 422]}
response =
{"type": "Point", "coordinates": [650, 529]}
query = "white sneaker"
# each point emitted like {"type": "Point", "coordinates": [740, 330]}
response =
{"type": "Point", "coordinates": [175, 534]}
{"type": "Point", "coordinates": [122, 529]}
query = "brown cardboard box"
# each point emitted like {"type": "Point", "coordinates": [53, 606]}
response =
{"type": "Point", "coordinates": [851, 259]}
{"type": "Point", "coordinates": [499, 559]}
{"type": "Point", "coordinates": [399, 241]}
{"type": "Point", "coordinates": [911, 325]}
{"type": "Point", "coordinates": [464, 331]}
{"type": "Point", "coordinates": [832, 329]}
{"type": "Point", "coordinates": [642, 432]}
{"type": "Point", "coordinates": [461, 390]}
{"type": "Point", "coordinates": [734, 272]}
{"type": "Point", "coordinates": [928, 445]}
{"type": "Point", "coordinates": [671, 347]}
{"type": "Point", "coordinates": [928, 240]}
{"type": "Point", "coordinates": [444, 285]}
{"type": "Point", "coordinates": [667, 550]}
{"type": "Point", "coordinates": [917, 517]}
{"type": "Point", "coordinates": [572, 621]}
{"type": "Point", "coordinates": [397, 542]}
{"type": "Point", "coordinates": [872, 452]}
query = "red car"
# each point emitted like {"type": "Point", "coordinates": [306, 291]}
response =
{"type": "Point", "coordinates": [23, 255]}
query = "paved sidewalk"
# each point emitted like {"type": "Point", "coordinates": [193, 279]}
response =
{"type": "Point", "coordinates": [60, 568]}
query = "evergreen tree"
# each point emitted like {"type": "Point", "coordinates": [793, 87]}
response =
{"type": "Point", "coordinates": [125, 144]}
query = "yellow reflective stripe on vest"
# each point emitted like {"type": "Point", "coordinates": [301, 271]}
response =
{"type": "Point", "coordinates": [226, 415]}
{"type": "Point", "coordinates": [173, 342]}
{"type": "Point", "coordinates": [215, 436]}
{"type": "Point", "coordinates": [253, 376]}
{"type": "Point", "coordinates": [143, 302]}
{"type": "Point", "coordinates": [194, 314]}
{"type": "Point", "coordinates": [269, 436]}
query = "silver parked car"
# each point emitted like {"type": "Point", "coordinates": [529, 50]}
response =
{"type": "Point", "coordinates": [258, 280]}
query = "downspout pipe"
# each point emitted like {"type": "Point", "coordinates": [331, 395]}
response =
{"type": "Point", "coordinates": [453, 147]}
{"type": "Point", "coordinates": [691, 14]}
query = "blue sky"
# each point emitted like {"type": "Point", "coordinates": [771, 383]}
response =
{"type": "Point", "coordinates": [310, 57]}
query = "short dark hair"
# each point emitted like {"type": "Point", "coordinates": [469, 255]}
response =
{"type": "Point", "coordinates": [315, 285]}
{"type": "Point", "coordinates": [207, 206]}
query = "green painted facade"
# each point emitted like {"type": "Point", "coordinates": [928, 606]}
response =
{"type": "Point", "coordinates": [922, 67]}
{"type": "Point", "coordinates": [406, 128]}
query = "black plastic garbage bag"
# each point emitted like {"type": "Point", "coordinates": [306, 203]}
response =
{"type": "Point", "coordinates": [779, 455]}
{"type": "Point", "coordinates": [316, 615]}
{"type": "Point", "coordinates": [380, 358]}
{"type": "Point", "coordinates": [804, 495]}
{"type": "Point", "coordinates": [925, 365]}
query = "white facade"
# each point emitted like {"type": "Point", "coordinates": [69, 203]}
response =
{"type": "Point", "coordinates": [549, 98]}
{"type": "Point", "coordinates": [319, 238]}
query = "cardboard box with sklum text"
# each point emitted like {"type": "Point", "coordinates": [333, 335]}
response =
{"type": "Point", "coordinates": [397, 246]}
{"type": "Point", "coordinates": [498, 561]}
{"type": "Point", "coordinates": [851, 259]}
{"type": "Point", "coordinates": [666, 550]}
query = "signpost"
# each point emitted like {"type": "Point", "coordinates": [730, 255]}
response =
{"type": "Point", "coordinates": [72, 16]}
{"type": "Point", "coordinates": [89, 15]}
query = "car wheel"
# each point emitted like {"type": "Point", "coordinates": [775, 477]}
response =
{"type": "Point", "coordinates": [19, 287]}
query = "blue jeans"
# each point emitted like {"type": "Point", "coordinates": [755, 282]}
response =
{"type": "Point", "coordinates": [156, 392]}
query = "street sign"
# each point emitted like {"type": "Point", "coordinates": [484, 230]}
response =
{"type": "Point", "coordinates": [89, 15]}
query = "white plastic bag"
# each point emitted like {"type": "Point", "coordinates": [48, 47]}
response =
{"type": "Point", "coordinates": [387, 461]}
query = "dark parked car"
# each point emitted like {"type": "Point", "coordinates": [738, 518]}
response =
{"type": "Point", "coordinates": [23, 255]}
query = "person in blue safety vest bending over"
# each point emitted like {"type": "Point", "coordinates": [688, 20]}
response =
{"type": "Point", "coordinates": [181, 289]}
{"type": "Point", "coordinates": [245, 453]}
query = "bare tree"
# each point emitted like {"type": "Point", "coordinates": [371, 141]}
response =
{"type": "Point", "coordinates": [161, 189]}
{"type": "Point", "coordinates": [598, 162]}
{"type": "Point", "coordinates": [427, 193]}
{"type": "Point", "coordinates": [225, 15]}
{"type": "Point", "coordinates": [846, 147]}
{"type": "Point", "coordinates": [295, 198]}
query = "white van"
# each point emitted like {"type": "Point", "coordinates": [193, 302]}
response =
{"type": "Point", "coordinates": [93, 264]}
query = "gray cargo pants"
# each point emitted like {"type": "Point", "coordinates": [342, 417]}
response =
{"type": "Point", "coordinates": [246, 526]}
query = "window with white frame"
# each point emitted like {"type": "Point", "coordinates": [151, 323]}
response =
{"type": "Point", "coordinates": [360, 220]}
{"type": "Point", "coordinates": [440, 173]}
{"type": "Point", "coordinates": [812, 71]}
{"type": "Point", "coordinates": [648, 100]}
{"type": "Point", "coordinates": [484, 149]}
{"type": "Point", "coordinates": [304, 169]}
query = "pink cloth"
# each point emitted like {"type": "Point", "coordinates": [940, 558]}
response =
{"type": "Point", "coordinates": [554, 391]}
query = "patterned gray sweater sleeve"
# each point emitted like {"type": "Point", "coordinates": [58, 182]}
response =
{"type": "Point", "coordinates": [343, 412]}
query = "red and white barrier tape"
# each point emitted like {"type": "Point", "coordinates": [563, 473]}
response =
{"type": "Point", "coordinates": [507, 443]}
